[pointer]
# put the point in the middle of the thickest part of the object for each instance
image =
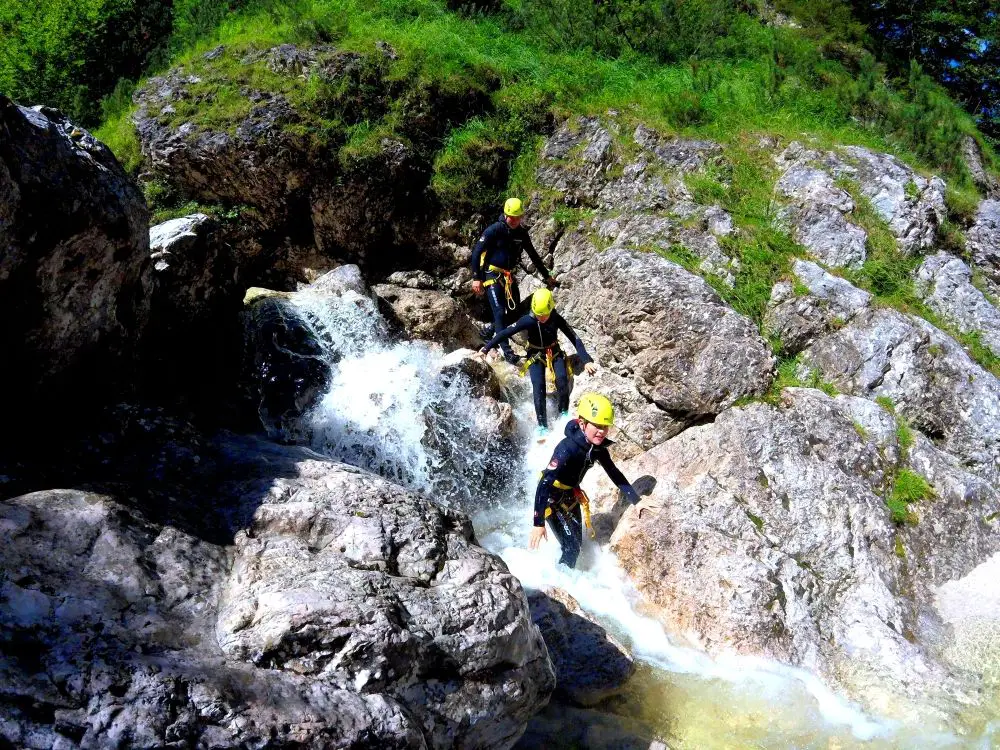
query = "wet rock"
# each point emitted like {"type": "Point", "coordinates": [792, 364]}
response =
{"type": "Point", "coordinates": [74, 233]}
{"type": "Point", "coordinates": [983, 242]}
{"type": "Point", "coordinates": [589, 664]}
{"type": "Point", "coordinates": [365, 587]}
{"type": "Point", "coordinates": [121, 615]}
{"type": "Point", "coordinates": [287, 367]}
{"type": "Point", "coordinates": [481, 376]}
{"type": "Point", "coordinates": [647, 318]}
{"type": "Point", "coordinates": [944, 282]}
{"type": "Point", "coordinates": [340, 281]}
{"type": "Point", "coordinates": [774, 539]}
{"type": "Point", "coordinates": [430, 315]}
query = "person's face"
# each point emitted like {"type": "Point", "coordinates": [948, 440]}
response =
{"type": "Point", "coordinates": [543, 318]}
{"type": "Point", "coordinates": [513, 221]}
{"type": "Point", "coordinates": [595, 433]}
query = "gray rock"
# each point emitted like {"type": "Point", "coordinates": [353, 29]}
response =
{"type": "Point", "coordinates": [350, 579]}
{"type": "Point", "coordinates": [945, 283]}
{"type": "Point", "coordinates": [649, 319]}
{"type": "Point", "coordinates": [430, 315]}
{"type": "Point", "coordinates": [973, 157]}
{"type": "Point", "coordinates": [74, 233]}
{"type": "Point", "coordinates": [590, 665]}
{"type": "Point", "coordinates": [578, 179]}
{"type": "Point", "coordinates": [125, 618]}
{"type": "Point", "coordinates": [175, 236]}
{"type": "Point", "coordinates": [817, 216]}
{"type": "Point", "coordinates": [983, 242]}
{"type": "Point", "coordinates": [912, 205]}
{"type": "Point", "coordinates": [830, 302]}
{"type": "Point", "coordinates": [930, 378]}
{"type": "Point", "coordinates": [774, 539]}
{"type": "Point", "coordinates": [339, 281]}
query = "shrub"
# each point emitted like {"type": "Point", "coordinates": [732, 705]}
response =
{"type": "Point", "coordinates": [70, 53]}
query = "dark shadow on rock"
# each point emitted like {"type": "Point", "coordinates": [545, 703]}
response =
{"type": "Point", "coordinates": [644, 485]}
{"type": "Point", "coordinates": [563, 727]}
{"type": "Point", "coordinates": [590, 666]}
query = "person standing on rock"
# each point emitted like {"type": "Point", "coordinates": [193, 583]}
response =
{"type": "Point", "coordinates": [494, 258]}
{"type": "Point", "coordinates": [558, 498]}
{"type": "Point", "coordinates": [542, 326]}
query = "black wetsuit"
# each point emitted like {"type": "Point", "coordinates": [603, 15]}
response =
{"type": "Point", "coordinates": [543, 338]}
{"type": "Point", "coordinates": [570, 462]}
{"type": "Point", "coordinates": [497, 250]}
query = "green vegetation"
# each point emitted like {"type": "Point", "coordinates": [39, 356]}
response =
{"type": "Point", "coordinates": [711, 67]}
{"type": "Point", "coordinates": [908, 487]}
{"type": "Point", "coordinates": [886, 403]}
{"type": "Point", "coordinates": [904, 435]}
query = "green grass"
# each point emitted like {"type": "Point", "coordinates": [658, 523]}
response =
{"type": "Point", "coordinates": [756, 79]}
{"type": "Point", "coordinates": [908, 487]}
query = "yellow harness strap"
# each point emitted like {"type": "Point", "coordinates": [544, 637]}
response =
{"type": "Point", "coordinates": [549, 359]}
{"type": "Point", "coordinates": [579, 496]}
{"type": "Point", "coordinates": [506, 281]}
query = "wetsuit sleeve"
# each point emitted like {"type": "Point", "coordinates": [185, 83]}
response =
{"type": "Point", "coordinates": [544, 489]}
{"type": "Point", "coordinates": [616, 476]}
{"type": "Point", "coordinates": [521, 325]}
{"type": "Point", "coordinates": [536, 260]}
{"type": "Point", "coordinates": [481, 246]}
{"type": "Point", "coordinates": [581, 351]}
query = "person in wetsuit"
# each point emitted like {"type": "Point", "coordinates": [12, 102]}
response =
{"type": "Point", "coordinates": [558, 498]}
{"type": "Point", "coordinates": [494, 258]}
{"type": "Point", "coordinates": [542, 326]}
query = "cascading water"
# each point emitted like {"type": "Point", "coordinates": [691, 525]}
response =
{"type": "Point", "coordinates": [395, 409]}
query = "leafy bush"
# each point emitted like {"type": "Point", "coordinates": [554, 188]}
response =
{"type": "Point", "coordinates": [70, 53]}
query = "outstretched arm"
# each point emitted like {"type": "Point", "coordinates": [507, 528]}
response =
{"type": "Point", "coordinates": [522, 324]}
{"type": "Point", "coordinates": [616, 476]}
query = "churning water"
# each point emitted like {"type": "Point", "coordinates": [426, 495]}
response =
{"type": "Point", "coordinates": [398, 409]}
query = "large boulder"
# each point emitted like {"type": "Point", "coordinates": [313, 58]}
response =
{"type": "Point", "coordinates": [774, 539]}
{"type": "Point", "coordinates": [73, 228]}
{"type": "Point", "coordinates": [348, 579]}
{"type": "Point", "coordinates": [647, 318]}
{"type": "Point", "coordinates": [379, 622]}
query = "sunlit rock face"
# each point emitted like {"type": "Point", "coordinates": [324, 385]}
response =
{"type": "Point", "coordinates": [775, 539]}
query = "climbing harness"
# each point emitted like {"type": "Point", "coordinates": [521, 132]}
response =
{"type": "Point", "coordinates": [506, 281]}
{"type": "Point", "coordinates": [579, 496]}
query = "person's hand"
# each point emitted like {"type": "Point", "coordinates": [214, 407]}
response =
{"type": "Point", "coordinates": [477, 287]}
{"type": "Point", "coordinates": [538, 533]}
{"type": "Point", "coordinates": [648, 504]}
{"type": "Point", "coordinates": [481, 354]}
{"type": "Point", "coordinates": [551, 282]}
{"type": "Point", "coordinates": [590, 368]}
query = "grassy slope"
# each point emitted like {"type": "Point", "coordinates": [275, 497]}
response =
{"type": "Point", "coordinates": [758, 80]}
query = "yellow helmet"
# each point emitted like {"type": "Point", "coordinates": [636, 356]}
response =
{"type": "Point", "coordinates": [597, 409]}
{"type": "Point", "coordinates": [513, 207]}
{"type": "Point", "coordinates": [542, 303]}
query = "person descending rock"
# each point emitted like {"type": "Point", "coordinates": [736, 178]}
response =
{"type": "Point", "coordinates": [542, 325]}
{"type": "Point", "coordinates": [559, 499]}
{"type": "Point", "coordinates": [494, 258]}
